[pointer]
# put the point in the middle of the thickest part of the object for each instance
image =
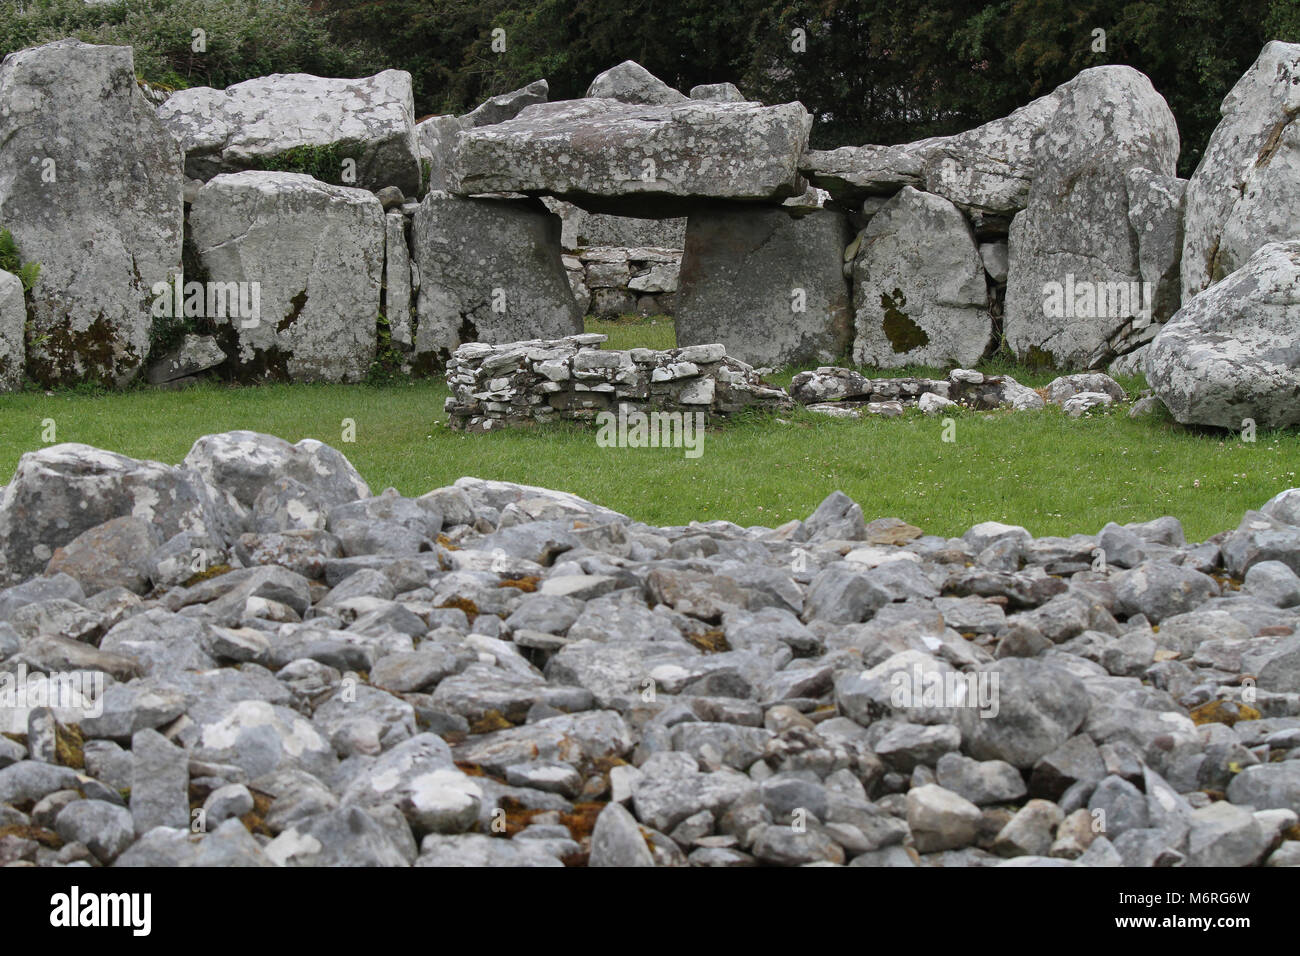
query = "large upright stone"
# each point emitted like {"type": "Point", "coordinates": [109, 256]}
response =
{"type": "Point", "coordinates": [1233, 351]}
{"type": "Point", "coordinates": [60, 491]}
{"type": "Point", "coordinates": [90, 187]}
{"type": "Point", "coordinates": [1246, 188]}
{"type": "Point", "coordinates": [919, 292]}
{"type": "Point", "coordinates": [1074, 291]}
{"type": "Point", "coordinates": [628, 159]}
{"type": "Point", "coordinates": [768, 285]}
{"type": "Point", "coordinates": [397, 280]}
{"type": "Point", "coordinates": [315, 252]}
{"type": "Point", "coordinates": [490, 271]}
{"type": "Point", "coordinates": [370, 120]}
{"type": "Point", "coordinates": [13, 325]}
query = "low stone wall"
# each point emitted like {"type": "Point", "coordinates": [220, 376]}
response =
{"type": "Point", "coordinates": [610, 281]}
{"type": "Point", "coordinates": [572, 379]}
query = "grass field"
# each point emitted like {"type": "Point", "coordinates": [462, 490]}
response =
{"type": "Point", "coordinates": [1042, 470]}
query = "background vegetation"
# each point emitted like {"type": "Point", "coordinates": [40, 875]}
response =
{"type": "Point", "coordinates": [873, 71]}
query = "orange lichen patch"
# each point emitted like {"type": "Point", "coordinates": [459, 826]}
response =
{"type": "Point", "coordinates": [581, 820]}
{"type": "Point", "coordinates": [475, 770]}
{"type": "Point", "coordinates": [213, 572]}
{"type": "Point", "coordinates": [68, 746]}
{"type": "Point", "coordinates": [492, 720]}
{"type": "Point", "coordinates": [462, 604]}
{"type": "Point", "coordinates": [712, 641]}
{"type": "Point", "coordinates": [1223, 712]}
{"type": "Point", "coordinates": [526, 584]}
{"type": "Point", "coordinates": [445, 542]}
{"type": "Point", "coordinates": [1227, 583]}
{"type": "Point", "coordinates": [1292, 832]}
{"type": "Point", "coordinates": [25, 831]}
{"type": "Point", "coordinates": [255, 819]}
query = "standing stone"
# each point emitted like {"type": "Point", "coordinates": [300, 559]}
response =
{"type": "Point", "coordinates": [720, 92]}
{"type": "Point", "coordinates": [13, 326]}
{"type": "Point", "coordinates": [397, 280]}
{"type": "Point", "coordinates": [490, 271]}
{"type": "Point", "coordinates": [919, 292]}
{"type": "Point", "coordinates": [768, 285]}
{"type": "Point", "coordinates": [90, 187]}
{"type": "Point", "coordinates": [1155, 213]}
{"type": "Point", "coordinates": [315, 253]}
{"type": "Point", "coordinates": [1246, 188]}
{"type": "Point", "coordinates": [1074, 286]}
{"type": "Point", "coordinates": [1233, 351]}
{"type": "Point", "coordinates": [160, 783]}
{"type": "Point", "coordinates": [370, 121]}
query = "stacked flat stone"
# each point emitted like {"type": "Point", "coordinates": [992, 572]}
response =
{"type": "Point", "coordinates": [614, 280]}
{"type": "Point", "coordinates": [842, 392]}
{"type": "Point", "coordinates": [543, 380]}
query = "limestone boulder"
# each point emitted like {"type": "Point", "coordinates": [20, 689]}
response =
{"type": "Point", "coordinates": [314, 254]}
{"type": "Point", "coordinates": [370, 120]}
{"type": "Point", "coordinates": [919, 292]}
{"type": "Point", "coordinates": [13, 325]}
{"type": "Point", "coordinates": [766, 284]}
{"type": "Point", "coordinates": [1074, 290]}
{"type": "Point", "coordinates": [90, 187]}
{"type": "Point", "coordinates": [630, 82]}
{"type": "Point", "coordinates": [63, 490]}
{"type": "Point", "coordinates": [1233, 351]}
{"type": "Point", "coordinates": [637, 160]}
{"type": "Point", "coordinates": [1245, 191]}
{"type": "Point", "coordinates": [436, 136]}
{"type": "Point", "coordinates": [490, 271]}
{"type": "Point", "coordinates": [1155, 214]}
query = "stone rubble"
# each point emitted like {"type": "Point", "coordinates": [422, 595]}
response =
{"type": "Point", "coordinates": [503, 675]}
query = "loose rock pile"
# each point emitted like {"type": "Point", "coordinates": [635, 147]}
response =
{"type": "Point", "coordinates": [573, 379]}
{"type": "Point", "coordinates": [500, 674]}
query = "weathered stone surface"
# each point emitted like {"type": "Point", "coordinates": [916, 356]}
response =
{"type": "Point", "coordinates": [107, 227]}
{"type": "Point", "coordinates": [238, 465]}
{"type": "Point", "coordinates": [436, 136]}
{"type": "Point", "coordinates": [630, 159]}
{"type": "Point", "coordinates": [370, 120]}
{"type": "Point", "coordinates": [195, 354]}
{"type": "Point", "coordinates": [13, 330]}
{"type": "Point", "coordinates": [1233, 351]}
{"type": "Point", "coordinates": [1155, 213]}
{"type": "Point", "coordinates": [919, 293]}
{"type": "Point", "coordinates": [765, 284]}
{"type": "Point", "coordinates": [630, 82]}
{"type": "Point", "coordinates": [314, 252]}
{"type": "Point", "coordinates": [1244, 191]}
{"type": "Point", "coordinates": [490, 271]}
{"type": "Point", "coordinates": [1073, 241]}
{"type": "Point", "coordinates": [113, 554]}
{"type": "Point", "coordinates": [60, 491]}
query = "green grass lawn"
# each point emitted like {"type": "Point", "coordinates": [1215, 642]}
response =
{"type": "Point", "coordinates": [1042, 470]}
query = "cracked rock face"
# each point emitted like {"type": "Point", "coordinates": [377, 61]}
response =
{"type": "Point", "coordinates": [1246, 188]}
{"type": "Point", "coordinates": [305, 262]}
{"type": "Point", "coordinates": [621, 694]}
{"type": "Point", "coordinates": [490, 271]}
{"type": "Point", "coordinates": [371, 120]}
{"type": "Point", "coordinates": [1075, 232]}
{"type": "Point", "coordinates": [90, 187]}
